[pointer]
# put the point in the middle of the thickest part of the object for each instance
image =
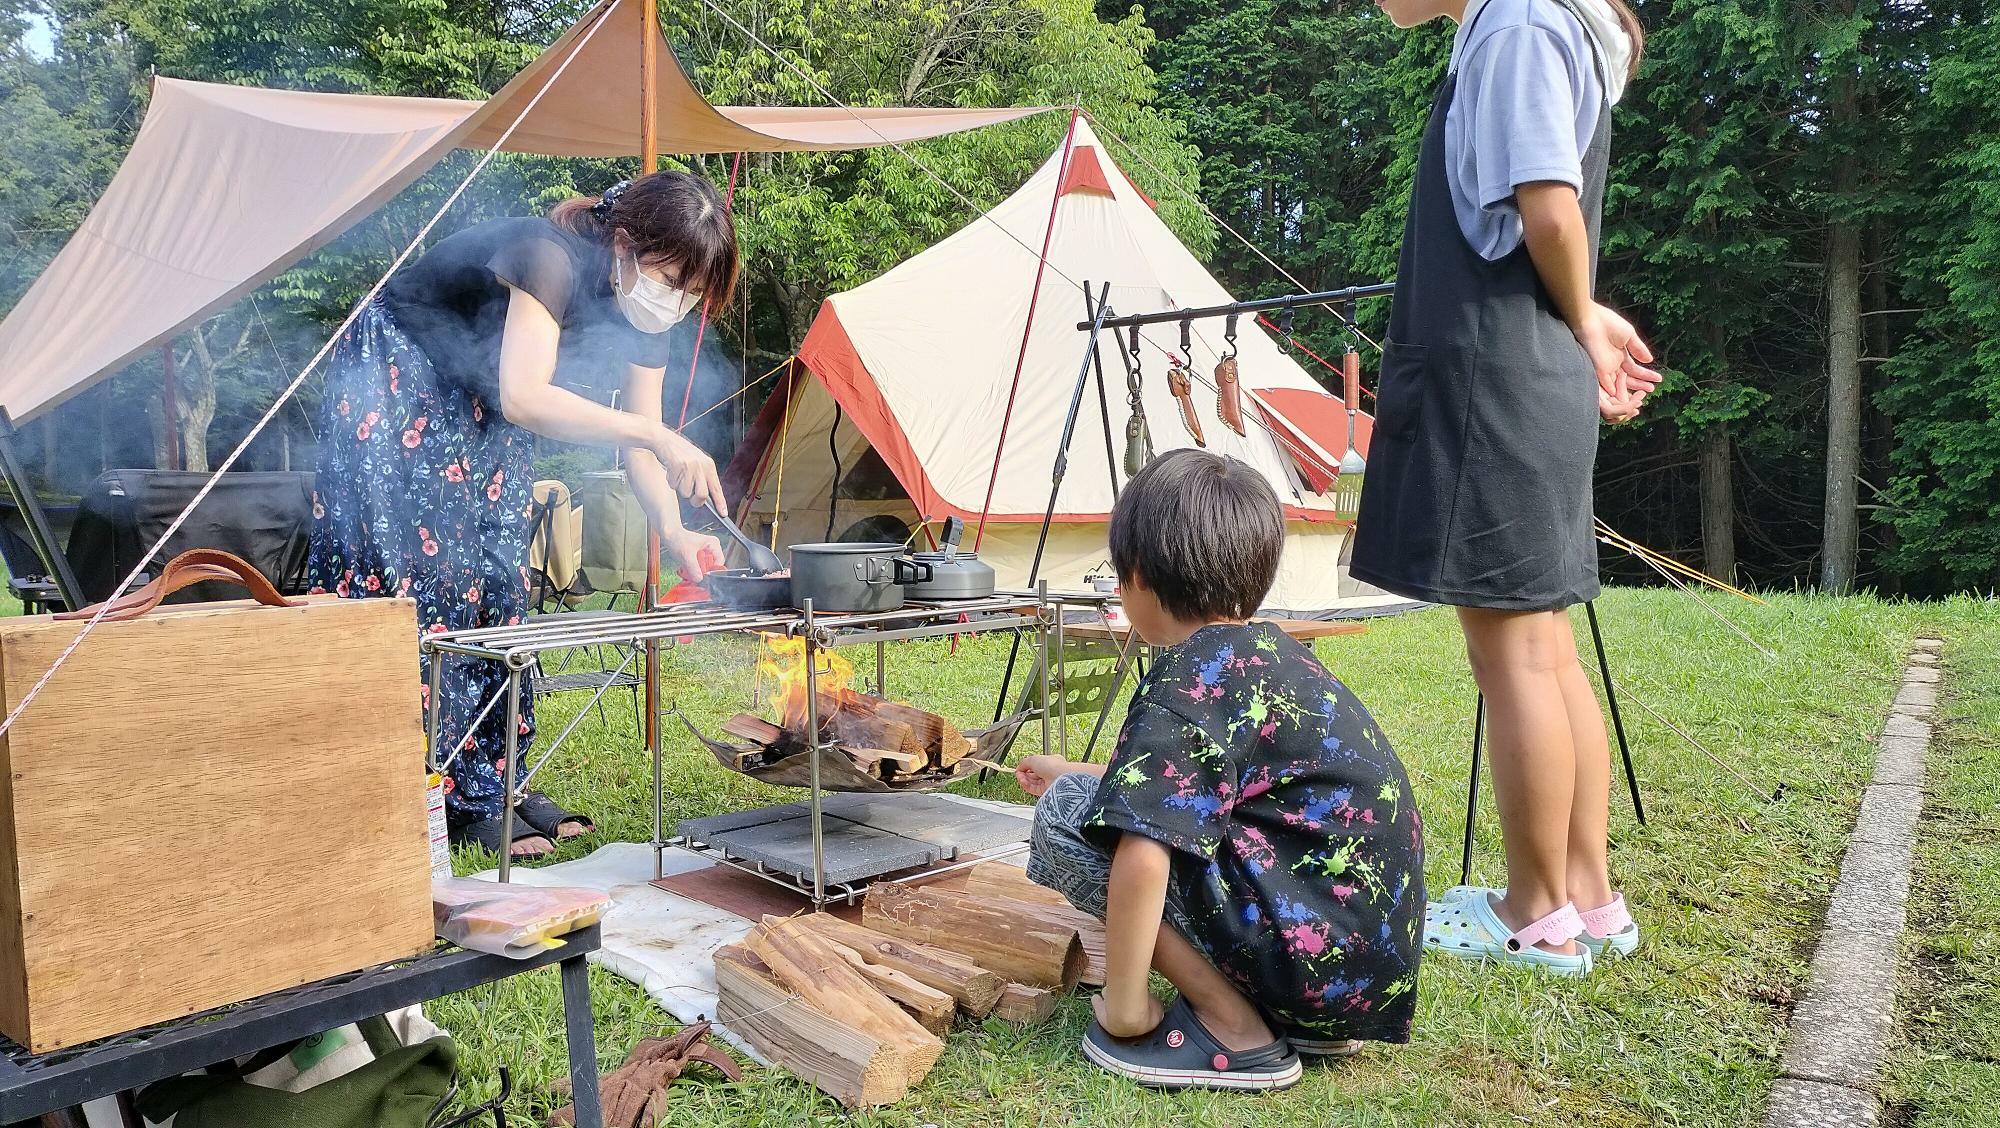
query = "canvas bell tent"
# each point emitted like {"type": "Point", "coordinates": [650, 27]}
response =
{"type": "Point", "coordinates": [891, 416]}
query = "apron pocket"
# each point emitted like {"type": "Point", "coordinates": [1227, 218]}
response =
{"type": "Point", "coordinates": [1399, 393]}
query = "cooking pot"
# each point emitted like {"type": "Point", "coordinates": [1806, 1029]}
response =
{"type": "Point", "coordinates": [853, 576]}
{"type": "Point", "coordinates": [954, 574]}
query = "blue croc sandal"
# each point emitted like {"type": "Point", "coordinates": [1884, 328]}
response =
{"type": "Point", "coordinates": [1180, 1054]}
{"type": "Point", "coordinates": [1609, 930]}
{"type": "Point", "coordinates": [1468, 928]}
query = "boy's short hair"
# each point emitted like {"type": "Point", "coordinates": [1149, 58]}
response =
{"type": "Point", "coordinates": [1202, 532]}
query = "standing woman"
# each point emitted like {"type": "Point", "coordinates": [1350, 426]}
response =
{"type": "Point", "coordinates": [432, 403]}
{"type": "Point", "coordinates": [1499, 365]}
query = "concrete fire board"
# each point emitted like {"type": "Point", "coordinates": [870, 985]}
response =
{"type": "Point", "coordinates": [954, 828]}
{"type": "Point", "coordinates": [703, 828]}
{"type": "Point", "coordinates": [853, 852]}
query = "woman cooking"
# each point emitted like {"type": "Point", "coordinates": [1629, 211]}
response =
{"type": "Point", "coordinates": [434, 397]}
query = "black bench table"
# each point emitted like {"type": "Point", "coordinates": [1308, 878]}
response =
{"type": "Point", "coordinates": [32, 1085]}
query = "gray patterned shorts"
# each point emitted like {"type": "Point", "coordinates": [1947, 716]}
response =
{"type": "Point", "coordinates": [1061, 858]}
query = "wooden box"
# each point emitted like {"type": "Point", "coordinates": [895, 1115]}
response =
{"type": "Point", "coordinates": [206, 804]}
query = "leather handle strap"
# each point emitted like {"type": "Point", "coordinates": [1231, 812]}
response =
{"type": "Point", "coordinates": [197, 565]}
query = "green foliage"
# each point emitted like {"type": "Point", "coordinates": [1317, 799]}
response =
{"type": "Point", "coordinates": [816, 224]}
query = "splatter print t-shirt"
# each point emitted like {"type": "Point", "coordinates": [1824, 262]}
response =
{"type": "Point", "coordinates": [1298, 853]}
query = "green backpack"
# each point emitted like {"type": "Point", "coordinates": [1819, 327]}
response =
{"type": "Point", "coordinates": [403, 1087]}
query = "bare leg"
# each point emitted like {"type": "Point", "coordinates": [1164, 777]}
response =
{"type": "Point", "coordinates": [1517, 659]}
{"type": "Point", "coordinates": [1588, 877]}
{"type": "Point", "coordinates": [1223, 1010]}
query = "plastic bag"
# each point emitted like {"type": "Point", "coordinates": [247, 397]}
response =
{"type": "Point", "coordinates": [516, 921]}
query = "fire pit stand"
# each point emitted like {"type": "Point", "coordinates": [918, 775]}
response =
{"type": "Point", "coordinates": [517, 648]}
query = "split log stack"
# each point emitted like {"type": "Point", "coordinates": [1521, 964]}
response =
{"type": "Point", "coordinates": [861, 1010]}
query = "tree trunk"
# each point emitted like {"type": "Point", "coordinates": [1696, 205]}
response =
{"type": "Point", "coordinates": [1842, 537]}
{"type": "Point", "coordinates": [1841, 543]}
{"type": "Point", "coordinates": [1718, 503]}
{"type": "Point", "coordinates": [197, 403]}
{"type": "Point", "coordinates": [1717, 447]}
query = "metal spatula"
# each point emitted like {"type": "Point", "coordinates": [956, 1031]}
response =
{"type": "Point", "coordinates": [761, 560]}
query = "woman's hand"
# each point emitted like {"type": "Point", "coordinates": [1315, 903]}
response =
{"type": "Point", "coordinates": [1618, 358]}
{"type": "Point", "coordinates": [1127, 1020]}
{"type": "Point", "coordinates": [693, 555]}
{"type": "Point", "coordinates": [689, 470]}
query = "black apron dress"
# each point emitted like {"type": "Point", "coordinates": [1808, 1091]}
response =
{"type": "Point", "coordinates": [1478, 491]}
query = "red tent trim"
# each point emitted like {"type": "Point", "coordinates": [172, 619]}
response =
{"type": "Point", "coordinates": [1300, 413]}
{"type": "Point", "coordinates": [1085, 174]}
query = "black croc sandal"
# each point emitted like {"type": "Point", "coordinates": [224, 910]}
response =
{"type": "Point", "coordinates": [1180, 1054]}
{"type": "Point", "coordinates": [485, 834]}
{"type": "Point", "coordinates": [549, 817]}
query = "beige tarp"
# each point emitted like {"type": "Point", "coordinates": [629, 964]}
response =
{"type": "Point", "coordinates": [920, 363]}
{"type": "Point", "coordinates": [226, 186]}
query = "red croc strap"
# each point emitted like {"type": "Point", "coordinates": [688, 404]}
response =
{"type": "Point", "coordinates": [1559, 927]}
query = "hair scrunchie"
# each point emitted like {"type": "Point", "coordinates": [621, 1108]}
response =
{"type": "Point", "coordinates": [602, 208]}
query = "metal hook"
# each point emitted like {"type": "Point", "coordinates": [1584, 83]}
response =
{"type": "Point", "coordinates": [1135, 341]}
{"type": "Point", "coordinates": [1285, 317]}
{"type": "Point", "coordinates": [1187, 342]}
{"type": "Point", "coordinates": [1229, 335]}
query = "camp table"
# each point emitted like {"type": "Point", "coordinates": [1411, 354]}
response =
{"type": "Point", "coordinates": [58, 1083]}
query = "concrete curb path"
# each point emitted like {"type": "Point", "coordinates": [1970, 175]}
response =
{"type": "Point", "coordinates": [1841, 1029]}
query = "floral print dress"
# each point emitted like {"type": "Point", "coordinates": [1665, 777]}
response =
{"type": "Point", "coordinates": [423, 490]}
{"type": "Point", "coordinates": [1298, 853]}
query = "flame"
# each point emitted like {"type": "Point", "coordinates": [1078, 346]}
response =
{"type": "Point", "coordinates": [783, 661]}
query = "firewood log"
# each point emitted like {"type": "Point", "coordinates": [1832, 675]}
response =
{"type": "Point", "coordinates": [812, 966]}
{"type": "Point", "coordinates": [975, 988]}
{"type": "Point", "coordinates": [1014, 944]}
{"type": "Point", "coordinates": [1024, 1004]}
{"type": "Point", "coordinates": [832, 1053]}
{"type": "Point", "coordinates": [1000, 881]}
{"type": "Point", "coordinates": [931, 1008]}
{"type": "Point", "coordinates": [756, 730]}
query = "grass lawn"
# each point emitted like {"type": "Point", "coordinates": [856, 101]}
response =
{"type": "Point", "coordinates": [1946, 1071]}
{"type": "Point", "coordinates": [1728, 884]}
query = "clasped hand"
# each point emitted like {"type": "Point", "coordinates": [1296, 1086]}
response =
{"type": "Point", "coordinates": [1619, 358]}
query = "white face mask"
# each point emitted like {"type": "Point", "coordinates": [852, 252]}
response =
{"type": "Point", "coordinates": [649, 304]}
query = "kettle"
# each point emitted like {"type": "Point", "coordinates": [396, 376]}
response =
{"type": "Point", "coordinates": [954, 573]}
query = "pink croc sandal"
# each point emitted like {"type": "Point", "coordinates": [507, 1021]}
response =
{"type": "Point", "coordinates": [1468, 928]}
{"type": "Point", "coordinates": [1609, 929]}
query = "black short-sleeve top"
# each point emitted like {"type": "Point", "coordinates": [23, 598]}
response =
{"type": "Point", "coordinates": [453, 301]}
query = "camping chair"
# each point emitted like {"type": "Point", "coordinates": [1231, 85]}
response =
{"type": "Point", "coordinates": [559, 583]}
{"type": "Point", "coordinates": [555, 551]}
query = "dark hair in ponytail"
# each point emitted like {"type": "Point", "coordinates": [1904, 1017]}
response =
{"type": "Point", "coordinates": [670, 217]}
{"type": "Point", "coordinates": [1629, 20]}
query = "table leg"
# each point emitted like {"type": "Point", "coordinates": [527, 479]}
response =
{"type": "Point", "coordinates": [581, 1029]}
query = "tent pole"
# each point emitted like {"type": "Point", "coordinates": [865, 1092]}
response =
{"type": "Point", "coordinates": [649, 161]}
{"type": "Point", "coordinates": [1090, 357]}
{"type": "Point", "coordinates": [1028, 329]}
{"type": "Point", "coordinates": [40, 531]}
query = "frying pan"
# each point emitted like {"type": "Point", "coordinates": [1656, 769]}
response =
{"type": "Point", "coordinates": [745, 589]}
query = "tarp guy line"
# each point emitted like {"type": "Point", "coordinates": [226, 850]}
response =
{"type": "Point", "coordinates": [299, 380]}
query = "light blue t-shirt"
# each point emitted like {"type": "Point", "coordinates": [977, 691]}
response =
{"type": "Point", "coordinates": [1525, 110]}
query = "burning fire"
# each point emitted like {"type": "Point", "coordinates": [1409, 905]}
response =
{"type": "Point", "coordinates": [783, 661]}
